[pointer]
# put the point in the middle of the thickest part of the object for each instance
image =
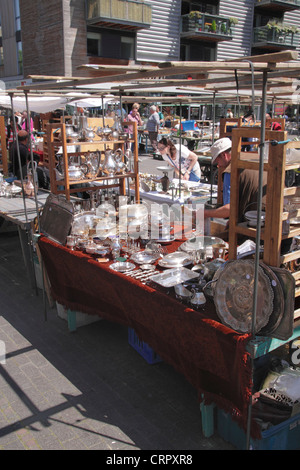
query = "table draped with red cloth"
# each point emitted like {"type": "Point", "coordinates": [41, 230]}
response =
{"type": "Point", "coordinates": [211, 356]}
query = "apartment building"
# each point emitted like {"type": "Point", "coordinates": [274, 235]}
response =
{"type": "Point", "coordinates": [55, 37]}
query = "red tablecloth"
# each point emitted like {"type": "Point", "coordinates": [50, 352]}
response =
{"type": "Point", "coordinates": [210, 355]}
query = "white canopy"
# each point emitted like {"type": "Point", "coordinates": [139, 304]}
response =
{"type": "Point", "coordinates": [36, 104]}
{"type": "Point", "coordinates": [44, 104]}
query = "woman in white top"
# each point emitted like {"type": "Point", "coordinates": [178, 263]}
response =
{"type": "Point", "coordinates": [189, 165]}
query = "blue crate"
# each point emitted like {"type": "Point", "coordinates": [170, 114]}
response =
{"type": "Point", "coordinates": [142, 348]}
{"type": "Point", "coordinates": [283, 436]}
{"type": "Point", "coordinates": [188, 125]}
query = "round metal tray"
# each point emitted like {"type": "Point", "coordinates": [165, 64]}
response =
{"type": "Point", "coordinates": [233, 296]}
{"type": "Point", "coordinates": [198, 243]}
{"type": "Point", "coordinates": [174, 260]}
{"type": "Point", "coordinates": [122, 266]}
{"type": "Point", "coordinates": [277, 314]}
{"type": "Point", "coordinates": [144, 258]}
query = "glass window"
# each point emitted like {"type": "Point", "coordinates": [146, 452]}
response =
{"type": "Point", "coordinates": [127, 47]}
{"type": "Point", "coordinates": [17, 15]}
{"type": "Point", "coordinates": [93, 43]}
{"type": "Point", "coordinates": [20, 57]}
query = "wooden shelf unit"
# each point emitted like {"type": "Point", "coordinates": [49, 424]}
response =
{"type": "Point", "coordinates": [68, 185]}
{"type": "Point", "coordinates": [227, 125]}
{"type": "Point", "coordinates": [276, 166]}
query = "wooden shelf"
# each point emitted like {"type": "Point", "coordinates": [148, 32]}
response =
{"type": "Point", "coordinates": [271, 234]}
{"type": "Point", "coordinates": [86, 184]}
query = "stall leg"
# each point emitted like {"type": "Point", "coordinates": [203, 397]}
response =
{"type": "Point", "coordinates": [25, 241]}
{"type": "Point", "coordinates": [72, 320]}
{"type": "Point", "coordinates": [207, 419]}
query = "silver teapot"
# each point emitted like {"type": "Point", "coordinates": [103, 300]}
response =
{"type": "Point", "coordinates": [87, 134]}
{"type": "Point", "coordinates": [77, 172]}
{"type": "Point", "coordinates": [106, 132]}
{"type": "Point", "coordinates": [109, 163]}
{"type": "Point", "coordinates": [198, 298]}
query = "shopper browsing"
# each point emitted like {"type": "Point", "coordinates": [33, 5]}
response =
{"type": "Point", "coordinates": [181, 158]}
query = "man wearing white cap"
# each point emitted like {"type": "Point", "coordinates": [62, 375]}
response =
{"type": "Point", "coordinates": [248, 183]}
{"type": "Point", "coordinates": [221, 155]}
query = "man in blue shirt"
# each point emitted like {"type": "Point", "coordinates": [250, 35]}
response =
{"type": "Point", "coordinates": [248, 183]}
{"type": "Point", "coordinates": [221, 155]}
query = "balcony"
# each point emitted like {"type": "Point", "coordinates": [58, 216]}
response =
{"type": "Point", "coordinates": [203, 26]}
{"type": "Point", "coordinates": [275, 37]}
{"type": "Point", "coordinates": [130, 15]}
{"type": "Point", "coordinates": [278, 5]}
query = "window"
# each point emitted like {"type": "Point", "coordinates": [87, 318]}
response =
{"type": "Point", "coordinates": [197, 51]}
{"type": "Point", "coordinates": [18, 37]}
{"type": "Point", "coordinates": [127, 47]}
{"type": "Point", "coordinates": [94, 44]}
{"type": "Point", "coordinates": [209, 6]}
{"type": "Point", "coordinates": [20, 57]}
{"type": "Point", "coordinates": [17, 15]}
{"type": "Point", "coordinates": [108, 43]}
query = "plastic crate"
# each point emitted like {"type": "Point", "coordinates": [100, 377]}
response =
{"type": "Point", "coordinates": [188, 125]}
{"type": "Point", "coordinates": [283, 436]}
{"type": "Point", "coordinates": [142, 348]}
{"type": "Point", "coordinates": [75, 319]}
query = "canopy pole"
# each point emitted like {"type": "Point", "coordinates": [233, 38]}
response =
{"type": "Point", "coordinates": [258, 233]}
{"type": "Point", "coordinates": [213, 139]}
{"type": "Point", "coordinates": [103, 121]}
{"type": "Point", "coordinates": [18, 153]}
{"type": "Point", "coordinates": [214, 117]}
{"type": "Point", "coordinates": [180, 140]}
{"type": "Point", "coordinates": [35, 178]}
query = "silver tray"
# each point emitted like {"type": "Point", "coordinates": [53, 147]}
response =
{"type": "Point", "coordinates": [144, 258]}
{"type": "Point", "coordinates": [164, 239]}
{"type": "Point", "coordinates": [122, 266]}
{"type": "Point", "coordinates": [198, 243]}
{"type": "Point", "coordinates": [175, 259]}
{"type": "Point", "coordinates": [172, 277]}
{"type": "Point", "coordinates": [233, 296]}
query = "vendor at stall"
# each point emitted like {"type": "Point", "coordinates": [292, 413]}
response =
{"type": "Point", "coordinates": [22, 144]}
{"type": "Point", "coordinates": [181, 158]}
{"type": "Point", "coordinates": [248, 184]}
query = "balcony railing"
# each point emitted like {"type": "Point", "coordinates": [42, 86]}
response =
{"type": "Point", "coordinates": [268, 37]}
{"type": "Point", "coordinates": [136, 14]}
{"type": "Point", "coordinates": [282, 5]}
{"type": "Point", "coordinates": [205, 26]}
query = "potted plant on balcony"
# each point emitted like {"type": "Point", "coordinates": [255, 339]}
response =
{"type": "Point", "coordinates": [232, 22]}
{"type": "Point", "coordinates": [196, 18]}
{"type": "Point", "coordinates": [281, 30]}
{"type": "Point", "coordinates": [213, 27]}
{"type": "Point", "coordinates": [223, 28]}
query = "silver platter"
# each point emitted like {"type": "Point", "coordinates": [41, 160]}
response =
{"type": "Point", "coordinates": [198, 243]}
{"type": "Point", "coordinates": [121, 266]}
{"type": "Point", "coordinates": [173, 277]}
{"type": "Point", "coordinates": [233, 296]}
{"type": "Point", "coordinates": [163, 240]}
{"type": "Point", "coordinates": [144, 258]}
{"type": "Point", "coordinates": [175, 259]}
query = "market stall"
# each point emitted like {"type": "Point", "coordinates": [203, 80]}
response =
{"type": "Point", "coordinates": [207, 341]}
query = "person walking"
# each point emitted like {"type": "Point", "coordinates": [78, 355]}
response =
{"type": "Point", "coordinates": [153, 126]}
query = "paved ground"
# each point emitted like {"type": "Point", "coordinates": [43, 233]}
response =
{"type": "Point", "coordinates": [85, 390]}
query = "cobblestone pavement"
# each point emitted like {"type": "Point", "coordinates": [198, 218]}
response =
{"type": "Point", "coordinates": [86, 390]}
